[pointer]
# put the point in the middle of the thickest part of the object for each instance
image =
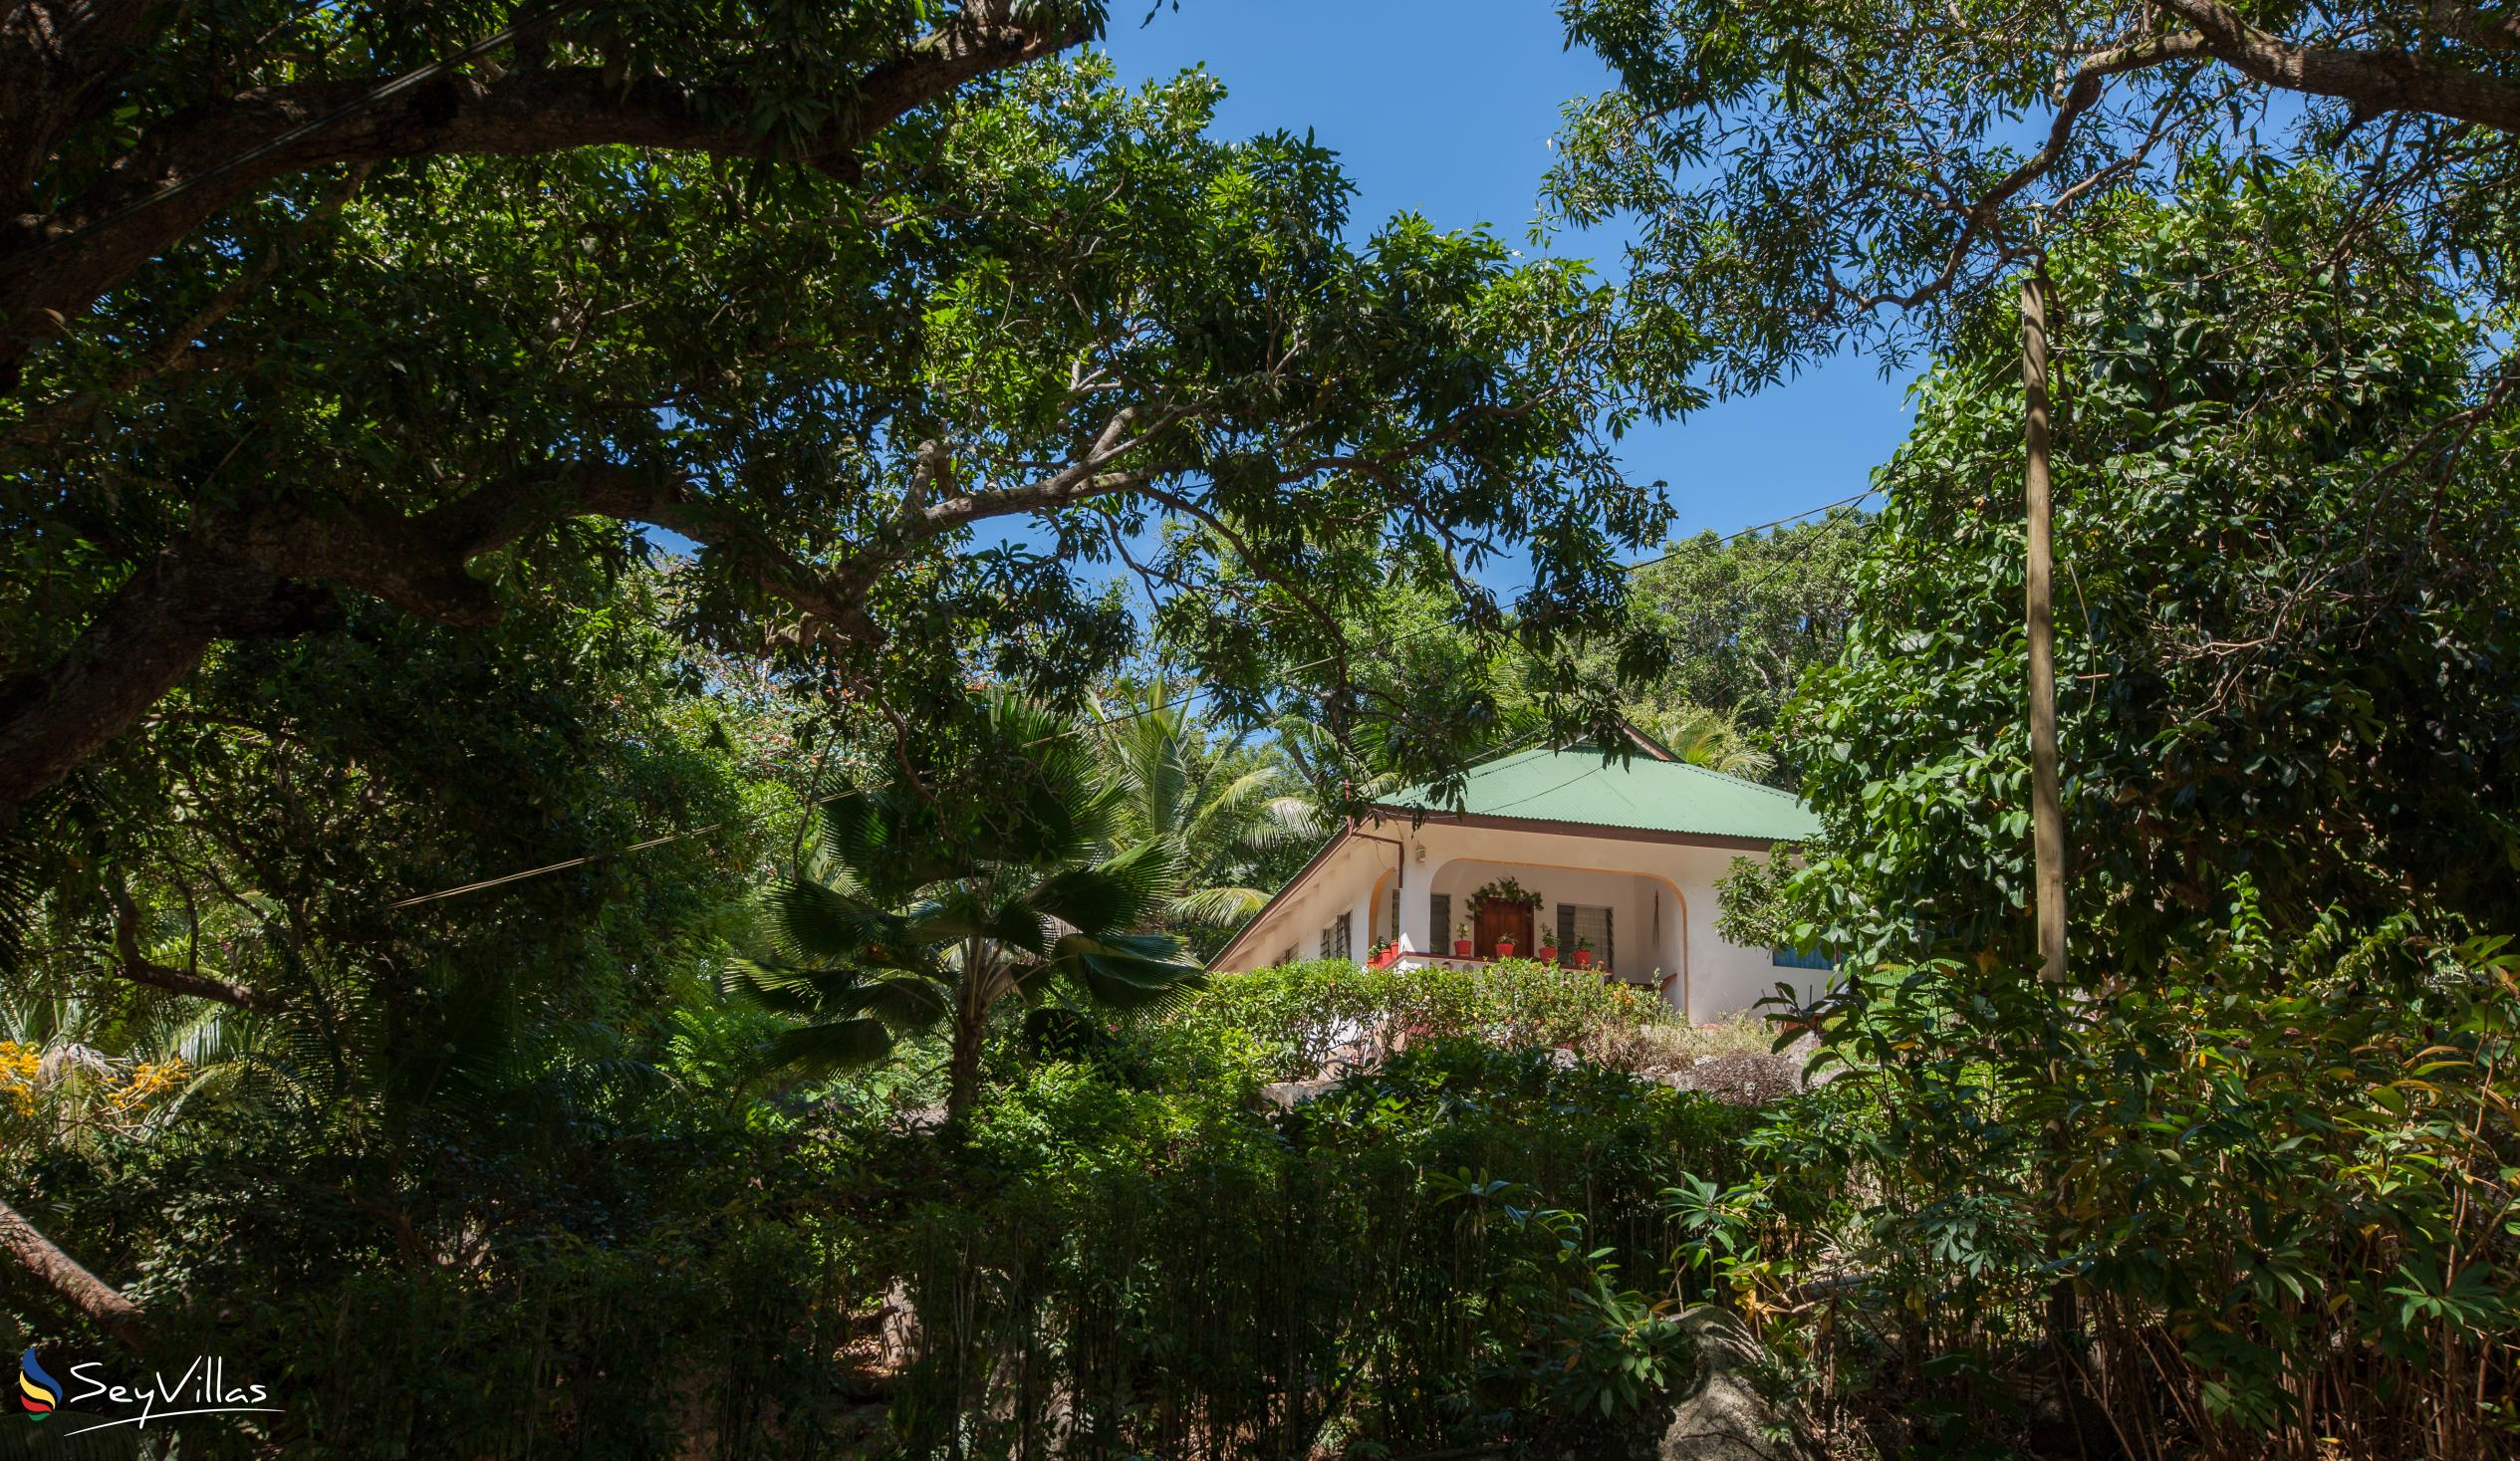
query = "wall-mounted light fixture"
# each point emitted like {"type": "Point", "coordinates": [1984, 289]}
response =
{"type": "Point", "coordinates": [1421, 854]}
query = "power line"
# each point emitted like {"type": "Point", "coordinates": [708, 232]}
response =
{"type": "Point", "coordinates": [523, 874]}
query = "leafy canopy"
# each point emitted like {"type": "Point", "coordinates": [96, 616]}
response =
{"type": "Point", "coordinates": [912, 422]}
{"type": "Point", "coordinates": [1806, 174]}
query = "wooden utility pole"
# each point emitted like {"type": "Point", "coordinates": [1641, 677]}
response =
{"type": "Point", "coordinates": [2047, 806]}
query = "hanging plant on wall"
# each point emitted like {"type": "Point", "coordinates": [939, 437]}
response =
{"type": "Point", "coordinates": [1506, 892]}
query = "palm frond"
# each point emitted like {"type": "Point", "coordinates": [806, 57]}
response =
{"type": "Point", "coordinates": [904, 1002]}
{"type": "Point", "coordinates": [826, 1046]}
{"type": "Point", "coordinates": [974, 909]}
{"type": "Point", "coordinates": [1124, 971]}
{"type": "Point", "coordinates": [1285, 820]}
{"type": "Point", "coordinates": [808, 921]}
{"type": "Point", "coordinates": [1119, 892]}
{"type": "Point", "coordinates": [1225, 813]}
{"type": "Point", "coordinates": [790, 988]}
{"type": "Point", "coordinates": [1217, 907]}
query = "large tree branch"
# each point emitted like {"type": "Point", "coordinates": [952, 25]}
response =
{"type": "Point", "coordinates": [137, 967]}
{"type": "Point", "coordinates": [176, 351]}
{"type": "Point", "coordinates": [147, 636]}
{"type": "Point", "coordinates": [67, 1277]}
{"type": "Point", "coordinates": [248, 572]}
{"type": "Point", "coordinates": [2375, 81]}
{"type": "Point", "coordinates": [191, 168]}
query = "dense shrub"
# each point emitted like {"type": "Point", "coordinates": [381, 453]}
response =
{"type": "Point", "coordinates": [1466, 1245]}
{"type": "Point", "coordinates": [1127, 1251]}
{"type": "Point", "coordinates": [718, 1342]}
{"type": "Point", "coordinates": [1295, 1020]}
{"type": "Point", "coordinates": [651, 1290]}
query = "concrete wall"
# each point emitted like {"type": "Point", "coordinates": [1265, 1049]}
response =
{"type": "Point", "coordinates": [1637, 880]}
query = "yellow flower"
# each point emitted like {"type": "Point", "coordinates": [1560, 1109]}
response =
{"type": "Point", "coordinates": [19, 1065]}
{"type": "Point", "coordinates": [148, 1078]}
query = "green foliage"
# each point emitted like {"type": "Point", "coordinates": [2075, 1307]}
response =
{"type": "Point", "coordinates": [1065, 294]}
{"type": "Point", "coordinates": [1744, 622]}
{"type": "Point", "coordinates": [1228, 815]}
{"type": "Point", "coordinates": [1806, 174]}
{"type": "Point", "coordinates": [623, 1351]}
{"type": "Point", "coordinates": [1298, 1018]}
{"type": "Point", "coordinates": [1446, 1252]}
{"type": "Point", "coordinates": [1714, 638]}
{"type": "Point", "coordinates": [927, 900]}
{"type": "Point", "coordinates": [2261, 1145]}
{"type": "Point", "coordinates": [1505, 893]}
{"type": "Point", "coordinates": [1704, 738]}
{"type": "Point", "coordinates": [2273, 664]}
{"type": "Point", "coordinates": [2276, 1180]}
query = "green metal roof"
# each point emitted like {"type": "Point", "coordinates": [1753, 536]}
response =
{"type": "Point", "coordinates": [1646, 795]}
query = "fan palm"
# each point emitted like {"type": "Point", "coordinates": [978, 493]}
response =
{"type": "Point", "coordinates": [1214, 807]}
{"type": "Point", "coordinates": [911, 912]}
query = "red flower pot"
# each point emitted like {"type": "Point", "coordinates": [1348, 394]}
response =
{"type": "Point", "coordinates": [1504, 948]}
{"type": "Point", "coordinates": [1548, 953]}
{"type": "Point", "coordinates": [1584, 958]}
{"type": "Point", "coordinates": [1462, 948]}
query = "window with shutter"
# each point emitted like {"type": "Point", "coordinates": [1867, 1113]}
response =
{"type": "Point", "coordinates": [1439, 921]}
{"type": "Point", "coordinates": [1575, 922]}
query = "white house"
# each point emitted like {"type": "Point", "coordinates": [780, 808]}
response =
{"type": "Point", "coordinates": [1622, 857]}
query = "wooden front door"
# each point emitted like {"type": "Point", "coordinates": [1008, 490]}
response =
{"type": "Point", "coordinates": [1503, 920]}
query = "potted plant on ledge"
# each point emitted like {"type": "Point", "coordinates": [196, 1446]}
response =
{"type": "Point", "coordinates": [1548, 950]}
{"type": "Point", "coordinates": [1584, 953]}
{"type": "Point", "coordinates": [1462, 939]}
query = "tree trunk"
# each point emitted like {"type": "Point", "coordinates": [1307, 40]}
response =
{"type": "Point", "coordinates": [67, 1277]}
{"type": "Point", "coordinates": [2047, 806]}
{"type": "Point", "coordinates": [963, 1090]}
{"type": "Point", "coordinates": [2047, 809]}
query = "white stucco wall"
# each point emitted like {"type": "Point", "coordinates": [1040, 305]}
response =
{"type": "Point", "coordinates": [1714, 978]}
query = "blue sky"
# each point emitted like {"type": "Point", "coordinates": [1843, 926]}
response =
{"type": "Point", "coordinates": [1445, 108]}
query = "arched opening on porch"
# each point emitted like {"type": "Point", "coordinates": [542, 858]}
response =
{"type": "Point", "coordinates": [1636, 922]}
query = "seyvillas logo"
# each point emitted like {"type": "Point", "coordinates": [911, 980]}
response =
{"type": "Point", "coordinates": [203, 1389]}
{"type": "Point", "coordinates": [37, 1391]}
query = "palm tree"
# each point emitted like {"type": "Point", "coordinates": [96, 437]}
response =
{"type": "Point", "coordinates": [1215, 807]}
{"type": "Point", "coordinates": [910, 911]}
{"type": "Point", "coordinates": [1706, 738]}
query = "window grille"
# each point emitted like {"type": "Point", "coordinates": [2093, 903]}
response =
{"type": "Point", "coordinates": [1335, 937]}
{"type": "Point", "coordinates": [1785, 958]}
{"type": "Point", "coordinates": [1439, 917]}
